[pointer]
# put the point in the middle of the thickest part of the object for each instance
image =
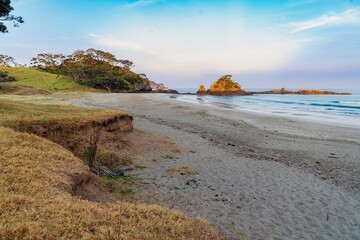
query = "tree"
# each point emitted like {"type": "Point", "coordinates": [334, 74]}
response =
{"type": "Point", "coordinates": [227, 77]}
{"type": "Point", "coordinates": [126, 64]}
{"type": "Point", "coordinates": [5, 9]}
{"type": "Point", "coordinates": [47, 60]}
{"type": "Point", "coordinates": [7, 61]}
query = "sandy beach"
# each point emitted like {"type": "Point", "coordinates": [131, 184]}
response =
{"type": "Point", "coordinates": [252, 176]}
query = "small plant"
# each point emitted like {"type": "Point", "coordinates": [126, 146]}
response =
{"type": "Point", "coordinates": [90, 153]}
{"type": "Point", "coordinates": [176, 151]}
{"type": "Point", "coordinates": [128, 161]}
{"type": "Point", "coordinates": [109, 159]}
{"type": "Point", "coordinates": [140, 167]}
{"type": "Point", "coordinates": [127, 191]}
{"type": "Point", "coordinates": [184, 170]}
{"type": "Point", "coordinates": [168, 157]}
{"type": "Point", "coordinates": [94, 160]}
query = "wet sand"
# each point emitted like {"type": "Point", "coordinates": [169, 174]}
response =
{"type": "Point", "coordinates": [257, 176]}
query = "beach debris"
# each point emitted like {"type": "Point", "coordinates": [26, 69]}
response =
{"type": "Point", "coordinates": [192, 182]}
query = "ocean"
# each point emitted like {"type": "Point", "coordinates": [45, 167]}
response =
{"type": "Point", "coordinates": [338, 109]}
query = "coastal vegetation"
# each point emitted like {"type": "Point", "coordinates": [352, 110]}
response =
{"type": "Point", "coordinates": [94, 68]}
{"type": "Point", "coordinates": [33, 78]}
{"type": "Point", "coordinates": [83, 70]}
{"type": "Point", "coordinates": [4, 77]}
{"type": "Point", "coordinates": [44, 174]}
{"type": "Point", "coordinates": [37, 184]}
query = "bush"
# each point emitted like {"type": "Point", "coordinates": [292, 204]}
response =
{"type": "Point", "coordinates": [4, 77]}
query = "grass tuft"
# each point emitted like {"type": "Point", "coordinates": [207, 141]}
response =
{"type": "Point", "coordinates": [184, 170]}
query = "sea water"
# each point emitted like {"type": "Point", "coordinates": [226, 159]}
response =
{"type": "Point", "coordinates": [338, 109]}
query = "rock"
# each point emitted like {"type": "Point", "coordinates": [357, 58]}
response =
{"type": "Point", "coordinates": [119, 173]}
{"type": "Point", "coordinates": [155, 86]}
{"type": "Point", "coordinates": [301, 91]}
{"type": "Point", "coordinates": [165, 91]}
{"type": "Point", "coordinates": [161, 88]}
{"type": "Point", "coordinates": [225, 86]}
{"type": "Point", "coordinates": [142, 87]}
{"type": "Point", "coordinates": [201, 90]}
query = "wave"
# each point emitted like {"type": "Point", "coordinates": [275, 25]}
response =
{"type": "Point", "coordinates": [340, 109]}
{"type": "Point", "coordinates": [332, 105]}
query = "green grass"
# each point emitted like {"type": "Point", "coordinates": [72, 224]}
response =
{"type": "Point", "coordinates": [140, 167]}
{"type": "Point", "coordinates": [127, 191]}
{"type": "Point", "coordinates": [120, 185]}
{"type": "Point", "coordinates": [34, 78]}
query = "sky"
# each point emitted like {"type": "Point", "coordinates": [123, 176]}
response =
{"type": "Point", "coordinates": [185, 43]}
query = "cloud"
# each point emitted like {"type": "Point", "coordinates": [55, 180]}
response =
{"type": "Point", "coordinates": [110, 42]}
{"type": "Point", "coordinates": [191, 47]}
{"type": "Point", "coordinates": [140, 3]}
{"type": "Point", "coordinates": [351, 16]}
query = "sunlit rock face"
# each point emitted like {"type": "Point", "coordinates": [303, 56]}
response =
{"type": "Point", "coordinates": [225, 86]}
{"type": "Point", "coordinates": [201, 90]}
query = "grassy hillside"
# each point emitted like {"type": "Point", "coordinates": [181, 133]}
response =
{"type": "Point", "coordinates": [34, 78]}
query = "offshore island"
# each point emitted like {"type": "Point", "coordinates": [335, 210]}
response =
{"type": "Point", "coordinates": [225, 86]}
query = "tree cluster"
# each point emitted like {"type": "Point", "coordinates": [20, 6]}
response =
{"type": "Point", "coordinates": [5, 9]}
{"type": "Point", "coordinates": [7, 61]}
{"type": "Point", "coordinates": [94, 68]}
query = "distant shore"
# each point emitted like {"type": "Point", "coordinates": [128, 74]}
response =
{"type": "Point", "coordinates": [250, 175]}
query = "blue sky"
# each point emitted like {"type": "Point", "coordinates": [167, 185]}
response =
{"type": "Point", "coordinates": [183, 43]}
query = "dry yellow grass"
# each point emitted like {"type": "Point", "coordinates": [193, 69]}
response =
{"type": "Point", "coordinates": [184, 170]}
{"type": "Point", "coordinates": [37, 178]}
{"type": "Point", "coordinates": [16, 113]}
{"type": "Point", "coordinates": [36, 181]}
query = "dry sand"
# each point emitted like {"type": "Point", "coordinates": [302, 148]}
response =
{"type": "Point", "coordinates": [258, 177]}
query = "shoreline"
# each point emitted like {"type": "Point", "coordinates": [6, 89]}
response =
{"type": "Point", "coordinates": [321, 120]}
{"type": "Point", "coordinates": [253, 176]}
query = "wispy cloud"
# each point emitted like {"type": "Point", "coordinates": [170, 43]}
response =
{"type": "Point", "coordinates": [141, 3]}
{"type": "Point", "coordinates": [351, 16]}
{"type": "Point", "coordinates": [116, 43]}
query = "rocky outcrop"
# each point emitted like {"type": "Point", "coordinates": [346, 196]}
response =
{"type": "Point", "coordinates": [161, 88]}
{"type": "Point", "coordinates": [144, 86]}
{"type": "Point", "coordinates": [157, 86]}
{"type": "Point", "coordinates": [165, 91]}
{"type": "Point", "coordinates": [201, 90]}
{"type": "Point", "coordinates": [320, 92]}
{"type": "Point", "coordinates": [302, 92]}
{"type": "Point", "coordinates": [225, 86]}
